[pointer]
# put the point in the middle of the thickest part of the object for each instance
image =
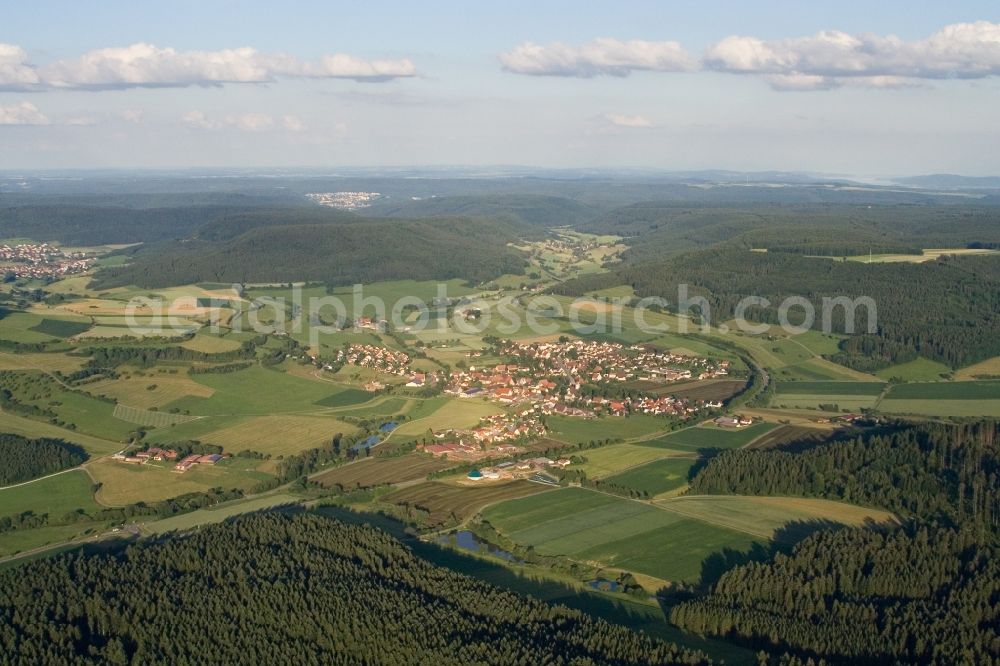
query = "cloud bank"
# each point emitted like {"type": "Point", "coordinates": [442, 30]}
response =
{"type": "Point", "coordinates": [247, 122]}
{"type": "Point", "coordinates": [601, 57]}
{"type": "Point", "coordinates": [24, 113]}
{"type": "Point", "coordinates": [828, 59]}
{"type": "Point", "coordinates": [147, 66]}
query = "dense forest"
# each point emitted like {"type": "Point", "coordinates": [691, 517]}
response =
{"type": "Point", "coordinates": [933, 471]}
{"type": "Point", "coordinates": [367, 251]}
{"type": "Point", "coordinates": [658, 229]}
{"type": "Point", "coordinates": [915, 595]}
{"type": "Point", "coordinates": [23, 459]}
{"type": "Point", "coordinates": [946, 310]}
{"type": "Point", "coordinates": [925, 591]}
{"type": "Point", "coordinates": [225, 595]}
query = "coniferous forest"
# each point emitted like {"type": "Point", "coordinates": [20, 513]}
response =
{"type": "Point", "coordinates": [926, 591]}
{"type": "Point", "coordinates": [291, 589]}
{"type": "Point", "coordinates": [22, 459]}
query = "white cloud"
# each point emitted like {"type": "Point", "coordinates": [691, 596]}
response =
{"type": "Point", "coordinates": [133, 115]}
{"type": "Point", "coordinates": [247, 122]}
{"type": "Point", "coordinates": [293, 124]}
{"type": "Point", "coordinates": [621, 120]}
{"type": "Point", "coordinates": [601, 57]}
{"type": "Point", "coordinates": [828, 59]}
{"type": "Point", "coordinates": [14, 67]}
{"type": "Point", "coordinates": [832, 58]}
{"type": "Point", "coordinates": [146, 65]}
{"type": "Point", "coordinates": [24, 113]}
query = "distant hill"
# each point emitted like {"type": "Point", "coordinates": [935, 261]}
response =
{"type": "Point", "coordinates": [363, 250]}
{"type": "Point", "coordinates": [536, 210]}
{"type": "Point", "coordinates": [951, 181]}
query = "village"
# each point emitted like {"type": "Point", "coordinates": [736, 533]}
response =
{"type": "Point", "coordinates": [41, 261]}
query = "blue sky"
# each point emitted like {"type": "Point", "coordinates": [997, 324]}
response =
{"type": "Point", "coordinates": [850, 88]}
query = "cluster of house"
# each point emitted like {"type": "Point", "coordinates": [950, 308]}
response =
{"type": "Point", "coordinates": [195, 459]}
{"type": "Point", "coordinates": [152, 453]}
{"type": "Point", "coordinates": [517, 469]}
{"type": "Point", "coordinates": [378, 358]}
{"type": "Point", "coordinates": [607, 362]}
{"type": "Point", "coordinates": [41, 260]}
{"type": "Point", "coordinates": [344, 200]}
{"type": "Point", "coordinates": [497, 434]}
{"type": "Point", "coordinates": [551, 377]}
{"type": "Point", "coordinates": [733, 421]}
{"type": "Point", "coordinates": [159, 455]}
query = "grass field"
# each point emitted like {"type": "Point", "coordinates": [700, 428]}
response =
{"type": "Point", "coordinates": [18, 327]}
{"type": "Point", "coordinates": [145, 417]}
{"type": "Point", "coordinates": [50, 362]}
{"type": "Point", "coordinates": [917, 370]}
{"type": "Point", "coordinates": [256, 390]}
{"type": "Point", "coordinates": [608, 460]}
{"type": "Point", "coordinates": [19, 425]}
{"type": "Point", "coordinates": [278, 434]}
{"type": "Point", "coordinates": [61, 328]}
{"type": "Point", "coordinates": [710, 437]}
{"type": "Point", "coordinates": [765, 516]}
{"type": "Point", "coordinates": [55, 495]}
{"type": "Point", "coordinates": [613, 531]}
{"type": "Point", "coordinates": [378, 471]}
{"type": "Point", "coordinates": [122, 483]}
{"type": "Point", "coordinates": [450, 413]}
{"type": "Point", "coordinates": [216, 514]}
{"type": "Point", "coordinates": [657, 477]}
{"type": "Point", "coordinates": [150, 390]}
{"type": "Point", "coordinates": [345, 398]}
{"type": "Point", "coordinates": [445, 501]}
{"type": "Point", "coordinates": [211, 344]}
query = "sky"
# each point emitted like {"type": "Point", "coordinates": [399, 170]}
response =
{"type": "Point", "coordinates": [848, 88]}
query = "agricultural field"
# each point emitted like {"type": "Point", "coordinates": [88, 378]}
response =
{"type": "Point", "coordinates": [371, 472]}
{"type": "Point", "coordinates": [710, 437]}
{"type": "Point", "coordinates": [766, 516]}
{"type": "Point", "coordinates": [123, 483]}
{"type": "Point", "coordinates": [810, 394]}
{"type": "Point", "coordinates": [146, 417]}
{"type": "Point", "coordinates": [446, 501]}
{"type": "Point", "coordinates": [657, 477]}
{"type": "Point", "coordinates": [988, 369]}
{"type": "Point", "coordinates": [278, 434]}
{"type": "Point", "coordinates": [216, 514]}
{"type": "Point", "coordinates": [786, 434]}
{"type": "Point", "coordinates": [576, 430]}
{"type": "Point", "coordinates": [967, 398]}
{"type": "Point", "coordinates": [608, 460]}
{"type": "Point", "coordinates": [613, 531]}
{"type": "Point", "coordinates": [706, 389]}
{"type": "Point", "coordinates": [670, 540]}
